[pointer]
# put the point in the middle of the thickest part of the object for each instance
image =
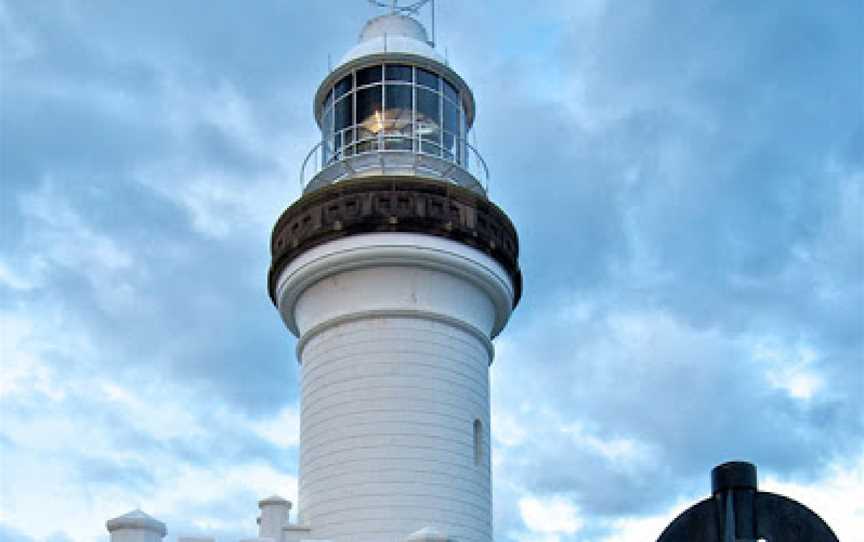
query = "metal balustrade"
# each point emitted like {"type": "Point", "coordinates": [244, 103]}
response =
{"type": "Point", "coordinates": [387, 154]}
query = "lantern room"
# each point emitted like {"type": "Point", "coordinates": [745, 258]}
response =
{"type": "Point", "coordinates": [394, 107]}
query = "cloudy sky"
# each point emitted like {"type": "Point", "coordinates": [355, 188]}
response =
{"type": "Point", "coordinates": [687, 179]}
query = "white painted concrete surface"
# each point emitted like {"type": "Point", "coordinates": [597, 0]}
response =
{"type": "Point", "coordinates": [274, 516]}
{"type": "Point", "coordinates": [395, 346]}
{"type": "Point", "coordinates": [393, 33]}
{"type": "Point", "coordinates": [135, 526]}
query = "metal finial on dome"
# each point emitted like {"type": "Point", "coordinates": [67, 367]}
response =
{"type": "Point", "coordinates": [393, 5]}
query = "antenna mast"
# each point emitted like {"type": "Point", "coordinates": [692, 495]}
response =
{"type": "Point", "coordinates": [411, 8]}
{"type": "Point", "coordinates": [434, 39]}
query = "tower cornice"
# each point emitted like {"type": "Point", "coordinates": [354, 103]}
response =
{"type": "Point", "coordinates": [394, 204]}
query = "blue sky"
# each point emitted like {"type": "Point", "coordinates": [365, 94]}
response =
{"type": "Point", "coordinates": [687, 179]}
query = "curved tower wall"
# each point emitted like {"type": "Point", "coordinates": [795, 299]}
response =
{"type": "Point", "coordinates": [395, 349]}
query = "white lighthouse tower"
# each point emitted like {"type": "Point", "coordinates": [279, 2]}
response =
{"type": "Point", "coordinates": [395, 272]}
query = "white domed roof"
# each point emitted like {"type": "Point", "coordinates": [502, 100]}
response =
{"type": "Point", "coordinates": [394, 24]}
{"type": "Point", "coordinates": [136, 520]}
{"type": "Point", "coordinates": [393, 33]}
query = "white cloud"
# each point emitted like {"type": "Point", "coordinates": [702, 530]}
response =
{"type": "Point", "coordinates": [550, 515]}
{"type": "Point", "coordinates": [14, 279]}
{"type": "Point", "coordinates": [283, 429]}
{"type": "Point", "coordinates": [63, 426]}
{"type": "Point", "coordinates": [60, 233]}
{"type": "Point", "coordinates": [26, 338]}
{"type": "Point", "coordinates": [642, 528]}
{"type": "Point", "coordinates": [198, 486]}
{"type": "Point", "coordinates": [621, 452]}
{"type": "Point", "coordinates": [507, 430]}
{"type": "Point", "coordinates": [789, 367]}
{"type": "Point", "coordinates": [838, 498]}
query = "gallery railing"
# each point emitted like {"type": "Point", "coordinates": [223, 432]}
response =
{"type": "Point", "coordinates": [458, 163]}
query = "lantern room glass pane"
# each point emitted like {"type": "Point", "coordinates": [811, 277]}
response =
{"type": "Point", "coordinates": [344, 113]}
{"type": "Point", "coordinates": [428, 108]}
{"type": "Point", "coordinates": [451, 131]}
{"type": "Point", "coordinates": [427, 79]}
{"type": "Point", "coordinates": [394, 107]}
{"type": "Point", "coordinates": [369, 117]}
{"type": "Point", "coordinates": [466, 154]}
{"type": "Point", "coordinates": [369, 75]}
{"type": "Point", "coordinates": [398, 72]}
{"type": "Point", "coordinates": [449, 146]}
{"type": "Point", "coordinates": [326, 152]}
{"type": "Point", "coordinates": [328, 101]}
{"type": "Point", "coordinates": [451, 118]}
{"type": "Point", "coordinates": [347, 140]}
{"type": "Point", "coordinates": [398, 116]}
{"type": "Point", "coordinates": [450, 92]}
{"type": "Point", "coordinates": [428, 123]}
{"type": "Point", "coordinates": [369, 106]}
{"type": "Point", "coordinates": [343, 86]}
{"type": "Point", "coordinates": [327, 131]}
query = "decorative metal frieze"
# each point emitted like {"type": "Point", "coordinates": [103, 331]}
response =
{"type": "Point", "coordinates": [738, 512]}
{"type": "Point", "coordinates": [395, 204]}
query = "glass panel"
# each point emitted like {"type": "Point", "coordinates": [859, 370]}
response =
{"type": "Point", "coordinates": [369, 75]}
{"type": "Point", "coordinates": [366, 140]}
{"type": "Point", "coordinates": [397, 72]}
{"type": "Point", "coordinates": [337, 143]}
{"type": "Point", "coordinates": [328, 101]}
{"type": "Point", "coordinates": [347, 139]}
{"type": "Point", "coordinates": [466, 153]}
{"type": "Point", "coordinates": [397, 116]}
{"type": "Point", "coordinates": [343, 86]}
{"type": "Point", "coordinates": [428, 110]}
{"type": "Point", "coordinates": [449, 146]}
{"type": "Point", "coordinates": [398, 143]}
{"type": "Point", "coordinates": [451, 92]}
{"type": "Point", "coordinates": [344, 110]}
{"type": "Point", "coordinates": [427, 79]}
{"type": "Point", "coordinates": [451, 118]}
{"type": "Point", "coordinates": [369, 106]}
{"type": "Point", "coordinates": [428, 123]}
{"type": "Point", "coordinates": [327, 123]}
{"type": "Point", "coordinates": [326, 153]}
{"type": "Point", "coordinates": [327, 134]}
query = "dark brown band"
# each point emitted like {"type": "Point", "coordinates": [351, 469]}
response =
{"type": "Point", "coordinates": [394, 204]}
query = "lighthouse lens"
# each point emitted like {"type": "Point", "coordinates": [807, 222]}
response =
{"type": "Point", "coordinates": [398, 118]}
{"type": "Point", "coordinates": [370, 120]}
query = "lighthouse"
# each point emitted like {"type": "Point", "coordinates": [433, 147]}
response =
{"type": "Point", "coordinates": [395, 271]}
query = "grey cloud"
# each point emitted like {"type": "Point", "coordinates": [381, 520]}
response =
{"type": "Point", "coordinates": [130, 475]}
